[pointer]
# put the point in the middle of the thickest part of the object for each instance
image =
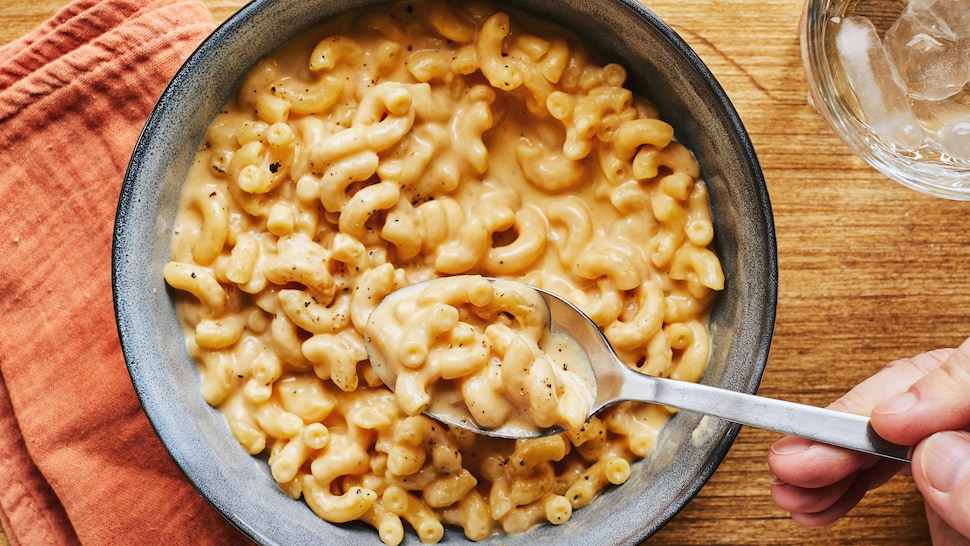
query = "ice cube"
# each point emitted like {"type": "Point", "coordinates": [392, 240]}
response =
{"type": "Point", "coordinates": [930, 46]}
{"type": "Point", "coordinates": [954, 15]}
{"type": "Point", "coordinates": [947, 124]}
{"type": "Point", "coordinates": [933, 114]}
{"type": "Point", "coordinates": [954, 137]}
{"type": "Point", "coordinates": [876, 84]}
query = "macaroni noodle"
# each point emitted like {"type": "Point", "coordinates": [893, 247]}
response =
{"type": "Point", "coordinates": [407, 143]}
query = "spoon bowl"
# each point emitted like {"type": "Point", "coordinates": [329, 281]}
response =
{"type": "Point", "coordinates": [615, 382]}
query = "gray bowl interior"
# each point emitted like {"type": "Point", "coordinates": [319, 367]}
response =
{"type": "Point", "coordinates": [662, 68]}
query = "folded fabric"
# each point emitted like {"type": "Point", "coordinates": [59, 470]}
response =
{"type": "Point", "coordinates": [79, 462]}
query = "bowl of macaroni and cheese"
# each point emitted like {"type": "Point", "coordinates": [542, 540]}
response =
{"type": "Point", "coordinates": [313, 157]}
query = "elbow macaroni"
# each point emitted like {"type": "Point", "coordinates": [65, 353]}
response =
{"type": "Point", "coordinates": [427, 140]}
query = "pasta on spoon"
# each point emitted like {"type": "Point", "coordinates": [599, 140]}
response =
{"type": "Point", "coordinates": [479, 353]}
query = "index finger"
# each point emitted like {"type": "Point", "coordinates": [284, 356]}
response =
{"type": "Point", "coordinates": [936, 402]}
{"type": "Point", "coordinates": [896, 378]}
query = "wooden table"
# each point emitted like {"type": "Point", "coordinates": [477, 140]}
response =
{"type": "Point", "coordinates": [869, 270]}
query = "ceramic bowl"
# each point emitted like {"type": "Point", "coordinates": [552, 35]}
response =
{"type": "Point", "coordinates": [661, 67]}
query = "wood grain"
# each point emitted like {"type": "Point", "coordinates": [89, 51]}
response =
{"type": "Point", "coordinates": [869, 271]}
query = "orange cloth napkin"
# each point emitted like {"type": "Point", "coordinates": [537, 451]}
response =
{"type": "Point", "coordinates": [79, 462]}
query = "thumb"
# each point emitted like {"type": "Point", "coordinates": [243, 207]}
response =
{"type": "Point", "coordinates": [941, 470]}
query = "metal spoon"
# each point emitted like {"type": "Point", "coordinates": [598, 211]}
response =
{"type": "Point", "coordinates": [616, 382]}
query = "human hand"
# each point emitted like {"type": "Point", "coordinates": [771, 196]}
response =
{"type": "Point", "coordinates": [923, 402]}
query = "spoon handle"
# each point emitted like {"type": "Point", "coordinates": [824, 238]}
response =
{"type": "Point", "coordinates": [824, 425]}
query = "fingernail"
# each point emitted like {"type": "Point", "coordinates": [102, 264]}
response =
{"type": "Point", "coordinates": [790, 445]}
{"type": "Point", "coordinates": [896, 405]}
{"type": "Point", "coordinates": [945, 459]}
